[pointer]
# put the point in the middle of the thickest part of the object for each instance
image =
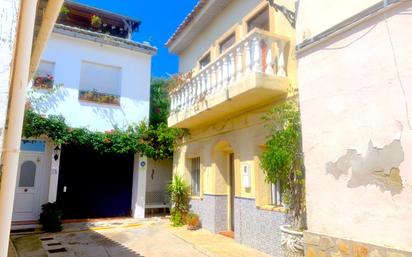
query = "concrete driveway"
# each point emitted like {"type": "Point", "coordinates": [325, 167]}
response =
{"type": "Point", "coordinates": [144, 238]}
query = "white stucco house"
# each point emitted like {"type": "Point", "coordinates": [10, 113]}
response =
{"type": "Point", "coordinates": [101, 80]}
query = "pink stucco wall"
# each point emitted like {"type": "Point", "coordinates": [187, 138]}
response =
{"type": "Point", "coordinates": [356, 102]}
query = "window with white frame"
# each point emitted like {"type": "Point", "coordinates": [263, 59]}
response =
{"type": "Point", "coordinates": [195, 174]}
{"type": "Point", "coordinates": [100, 77]}
{"type": "Point", "coordinates": [100, 83]}
{"type": "Point", "coordinates": [276, 196]}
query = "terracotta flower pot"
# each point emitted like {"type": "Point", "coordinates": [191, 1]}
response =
{"type": "Point", "coordinates": [291, 242]}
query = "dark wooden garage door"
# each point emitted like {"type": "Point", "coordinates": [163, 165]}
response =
{"type": "Point", "coordinates": [96, 185]}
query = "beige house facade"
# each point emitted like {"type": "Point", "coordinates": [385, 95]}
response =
{"type": "Point", "coordinates": [355, 92]}
{"type": "Point", "coordinates": [238, 57]}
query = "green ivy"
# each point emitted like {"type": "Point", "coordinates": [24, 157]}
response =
{"type": "Point", "coordinates": [157, 142]}
{"type": "Point", "coordinates": [282, 159]}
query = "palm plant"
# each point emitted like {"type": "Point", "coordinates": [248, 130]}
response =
{"type": "Point", "coordinates": [179, 192]}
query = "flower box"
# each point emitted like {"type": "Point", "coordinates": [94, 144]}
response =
{"type": "Point", "coordinates": [43, 82]}
{"type": "Point", "coordinates": [94, 96]}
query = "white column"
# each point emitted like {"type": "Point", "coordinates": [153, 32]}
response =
{"type": "Point", "coordinates": [139, 186]}
{"type": "Point", "coordinates": [54, 174]}
{"type": "Point", "coordinates": [281, 59]}
{"type": "Point", "coordinates": [12, 136]}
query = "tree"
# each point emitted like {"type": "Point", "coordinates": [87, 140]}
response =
{"type": "Point", "coordinates": [159, 102]}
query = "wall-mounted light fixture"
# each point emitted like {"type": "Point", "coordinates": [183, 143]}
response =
{"type": "Point", "coordinates": [56, 153]}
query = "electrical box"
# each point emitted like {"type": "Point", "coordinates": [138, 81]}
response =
{"type": "Point", "coordinates": [246, 175]}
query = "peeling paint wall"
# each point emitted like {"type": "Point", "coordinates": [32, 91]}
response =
{"type": "Point", "coordinates": [356, 102]}
{"type": "Point", "coordinates": [9, 10]}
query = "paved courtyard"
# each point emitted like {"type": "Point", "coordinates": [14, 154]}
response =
{"type": "Point", "coordinates": [129, 238]}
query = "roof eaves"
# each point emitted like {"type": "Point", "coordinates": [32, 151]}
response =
{"type": "Point", "coordinates": [92, 8]}
{"type": "Point", "coordinates": [104, 39]}
{"type": "Point", "coordinates": [187, 21]}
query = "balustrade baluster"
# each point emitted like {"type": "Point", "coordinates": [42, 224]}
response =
{"type": "Point", "coordinates": [269, 57]}
{"type": "Point", "coordinates": [248, 56]}
{"type": "Point", "coordinates": [281, 59]}
{"type": "Point", "coordinates": [219, 75]}
{"type": "Point", "coordinates": [232, 67]}
{"type": "Point", "coordinates": [257, 54]}
{"type": "Point", "coordinates": [225, 72]}
{"type": "Point", "coordinates": [186, 95]}
{"type": "Point", "coordinates": [172, 106]}
{"type": "Point", "coordinates": [208, 81]}
{"type": "Point", "coordinates": [198, 88]}
{"type": "Point", "coordinates": [213, 80]}
{"type": "Point", "coordinates": [239, 62]}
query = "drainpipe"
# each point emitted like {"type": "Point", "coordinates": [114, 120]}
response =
{"type": "Point", "coordinates": [14, 120]}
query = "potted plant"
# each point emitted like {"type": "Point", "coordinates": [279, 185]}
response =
{"type": "Point", "coordinates": [64, 12]}
{"type": "Point", "coordinates": [282, 162]}
{"type": "Point", "coordinates": [95, 21]}
{"type": "Point", "coordinates": [43, 82]}
{"type": "Point", "coordinates": [179, 192]}
{"type": "Point", "coordinates": [193, 221]}
{"type": "Point", "coordinates": [50, 217]}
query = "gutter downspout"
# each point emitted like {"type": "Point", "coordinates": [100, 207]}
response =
{"type": "Point", "coordinates": [14, 120]}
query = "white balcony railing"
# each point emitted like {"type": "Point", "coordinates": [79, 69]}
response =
{"type": "Point", "coordinates": [259, 51]}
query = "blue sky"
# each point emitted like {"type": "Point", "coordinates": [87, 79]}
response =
{"type": "Point", "coordinates": [160, 18]}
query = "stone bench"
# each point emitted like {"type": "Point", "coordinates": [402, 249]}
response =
{"type": "Point", "coordinates": [157, 200]}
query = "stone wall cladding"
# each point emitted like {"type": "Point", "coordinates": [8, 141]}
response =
{"type": "Point", "coordinates": [258, 228]}
{"type": "Point", "coordinates": [317, 245]}
{"type": "Point", "coordinates": [212, 210]}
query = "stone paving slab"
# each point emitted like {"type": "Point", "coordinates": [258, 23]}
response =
{"type": "Point", "coordinates": [133, 239]}
{"type": "Point", "coordinates": [148, 238]}
{"type": "Point", "coordinates": [214, 244]}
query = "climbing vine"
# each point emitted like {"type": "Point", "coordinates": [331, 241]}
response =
{"type": "Point", "coordinates": [282, 159]}
{"type": "Point", "coordinates": [157, 142]}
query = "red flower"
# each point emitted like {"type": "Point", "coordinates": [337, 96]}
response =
{"type": "Point", "coordinates": [107, 140]}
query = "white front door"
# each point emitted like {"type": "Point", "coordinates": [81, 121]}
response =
{"type": "Point", "coordinates": [29, 182]}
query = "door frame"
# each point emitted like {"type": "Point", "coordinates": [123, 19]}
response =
{"type": "Point", "coordinates": [40, 183]}
{"type": "Point", "coordinates": [231, 190]}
